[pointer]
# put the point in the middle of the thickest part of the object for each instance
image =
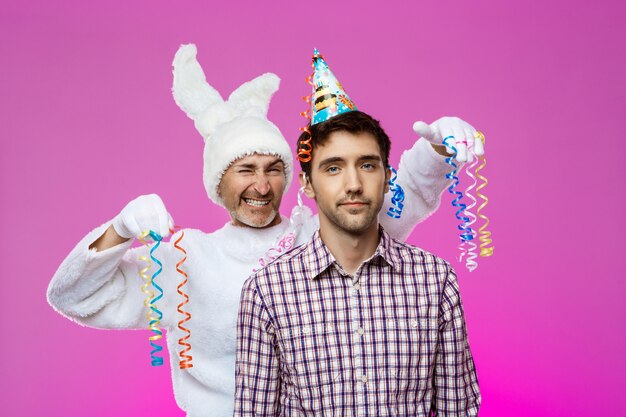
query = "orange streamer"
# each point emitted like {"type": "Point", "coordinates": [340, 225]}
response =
{"type": "Point", "coordinates": [304, 146]}
{"type": "Point", "coordinates": [185, 357]}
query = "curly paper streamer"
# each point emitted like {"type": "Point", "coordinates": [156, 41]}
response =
{"type": "Point", "coordinates": [149, 302]}
{"type": "Point", "coordinates": [156, 320]}
{"type": "Point", "coordinates": [397, 199]}
{"type": "Point", "coordinates": [467, 233]}
{"type": "Point", "coordinates": [469, 247]}
{"type": "Point", "coordinates": [304, 146]}
{"type": "Point", "coordinates": [299, 212]}
{"type": "Point", "coordinates": [467, 212]}
{"type": "Point", "coordinates": [185, 357]}
{"type": "Point", "coordinates": [486, 247]}
{"type": "Point", "coordinates": [284, 244]}
{"type": "Point", "coordinates": [145, 288]}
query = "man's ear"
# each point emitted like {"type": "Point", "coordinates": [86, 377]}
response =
{"type": "Point", "coordinates": [305, 183]}
{"type": "Point", "coordinates": [387, 178]}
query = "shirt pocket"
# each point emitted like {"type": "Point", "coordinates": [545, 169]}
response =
{"type": "Point", "coordinates": [405, 352]}
{"type": "Point", "coordinates": [311, 353]}
{"type": "Point", "coordinates": [416, 345]}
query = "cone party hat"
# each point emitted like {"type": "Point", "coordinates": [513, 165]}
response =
{"type": "Point", "coordinates": [328, 98]}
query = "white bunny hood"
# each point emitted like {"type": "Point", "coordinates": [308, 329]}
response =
{"type": "Point", "coordinates": [231, 129]}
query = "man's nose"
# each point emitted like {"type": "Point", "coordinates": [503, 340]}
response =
{"type": "Point", "coordinates": [354, 184]}
{"type": "Point", "coordinates": [262, 184]}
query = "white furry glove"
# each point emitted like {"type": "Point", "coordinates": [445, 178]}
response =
{"type": "Point", "coordinates": [146, 212]}
{"type": "Point", "coordinates": [463, 136]}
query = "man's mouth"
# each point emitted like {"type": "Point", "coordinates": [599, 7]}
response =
{"type": "Point", "coordinates": [256, 203]}
{"type": "Point", "coordinates": [354, 203]}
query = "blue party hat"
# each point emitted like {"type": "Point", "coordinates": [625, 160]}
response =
{"type": "Point", "coordinates": [329, 98]}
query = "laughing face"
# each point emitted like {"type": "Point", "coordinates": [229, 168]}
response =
{"type": "Point", "coordinates": [252, 188]}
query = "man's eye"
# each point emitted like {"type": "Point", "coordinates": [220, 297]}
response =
{"type": "Point", "coordinates": [368, 166]}
{"type": "Point", "coordinates": [245, 171]}
{"type": "Point", "coordinates": [332, 170]}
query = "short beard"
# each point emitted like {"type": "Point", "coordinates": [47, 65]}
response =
{"type": "Point", "coordinates": [351, 228]}
{"type": "Point", "coordinates": [253, 223]}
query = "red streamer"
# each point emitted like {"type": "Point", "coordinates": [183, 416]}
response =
{"type": "Point", "coordinates": [304, 146]}
{"type": "Point", "coordinates": [185, 357]}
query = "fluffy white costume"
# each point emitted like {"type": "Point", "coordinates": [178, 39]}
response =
{"type": "Point", "coordinates": [103, 289]}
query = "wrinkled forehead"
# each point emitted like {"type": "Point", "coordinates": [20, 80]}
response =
{"type": "Point", "coordinates": [258, 160]}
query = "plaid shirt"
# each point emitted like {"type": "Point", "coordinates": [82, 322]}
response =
{"type": "Point", "coordinates": [389, 341]}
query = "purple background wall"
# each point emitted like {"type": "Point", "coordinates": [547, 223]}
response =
{"type": "Point", "coordinates": [88, 123]}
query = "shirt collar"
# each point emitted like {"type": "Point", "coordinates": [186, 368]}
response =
{"type": "Point", "coordinates": [318, 258]}
{"type": "Point", "coordinates": [386, 250]}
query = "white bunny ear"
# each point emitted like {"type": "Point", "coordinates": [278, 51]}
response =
{"type": "Point", "coordinates": [191, 91]}
{"type": "Point", "coordinates": [254, 96]}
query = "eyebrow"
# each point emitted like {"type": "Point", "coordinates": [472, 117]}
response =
{"type": "Point", "coordinates": [278, 161]}
{"type": "Point", "coordinates": [372, 157]}
{"type": "Point", "coordinates": [333, 159]}
{"type": "Point", "coordinates": [254, 166]}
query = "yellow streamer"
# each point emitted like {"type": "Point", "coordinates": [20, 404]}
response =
{"type": "Point", "coordinates": [486, 247]}
{"type": "Point", "coordinates": [145, 288]}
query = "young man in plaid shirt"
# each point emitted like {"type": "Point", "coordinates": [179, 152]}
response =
{"type": "Point", "coordinates": [354, 322]}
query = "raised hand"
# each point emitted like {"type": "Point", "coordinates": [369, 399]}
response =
{"type": "Point", "coordinates": [146, 212]}
{"type": "Point", "coordinates": [463, 136]}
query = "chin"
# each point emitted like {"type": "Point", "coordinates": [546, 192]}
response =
{"type": "Point", "coordinates": [358, 225]}
{"type": "Point", "coordinates": [257, 222]}
{"type": "Point", "coordinates": [356, 229]}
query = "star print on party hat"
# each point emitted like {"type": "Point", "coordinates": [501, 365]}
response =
{"type": "Point", "coordinates": [329, 98]}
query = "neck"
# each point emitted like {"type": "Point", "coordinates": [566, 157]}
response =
{"type": "Point", "coordinates": [350, 250]}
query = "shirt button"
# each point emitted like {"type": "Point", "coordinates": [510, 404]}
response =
{"type": "Point", "coordinates": [306, 330]}
{"type": "Point", "coordinates": [360, 331]}
{"type": "Point", "coordinates": [356, 286]}
{"type": "Point", "coordinates": [413, 323]}
{"type": "Point", "coordinates": [364, 378]}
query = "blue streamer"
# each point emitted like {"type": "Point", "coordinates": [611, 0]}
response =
{"type": "Point", "coordinates": [154, 321]}
{"type": "Point", "coordinates": [467, 233]}
{"type": "Point", "coordinates": [397, 199]}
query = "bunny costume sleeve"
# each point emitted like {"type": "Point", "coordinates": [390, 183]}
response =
{"type": "Point", "coordinates": [422, 175]}
{"type": "Point", "coordinates": [100, 289]}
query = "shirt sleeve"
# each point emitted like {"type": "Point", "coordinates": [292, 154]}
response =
{"type": "Point", "coordinates": [456, 391]}
{"type": "Point", "coordinates": [422, 176]}
{"type": "Point", "coordinates": [257, 376]}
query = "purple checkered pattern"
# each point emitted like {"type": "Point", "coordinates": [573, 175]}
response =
{"type": "Point", "coordinates": [388, 341]}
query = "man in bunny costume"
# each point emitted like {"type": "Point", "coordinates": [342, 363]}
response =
{"type": "Point", "coordinates": [247, 167]}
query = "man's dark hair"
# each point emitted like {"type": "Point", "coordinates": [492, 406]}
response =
{"type": "Point", "coordinates": [354, 122]}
